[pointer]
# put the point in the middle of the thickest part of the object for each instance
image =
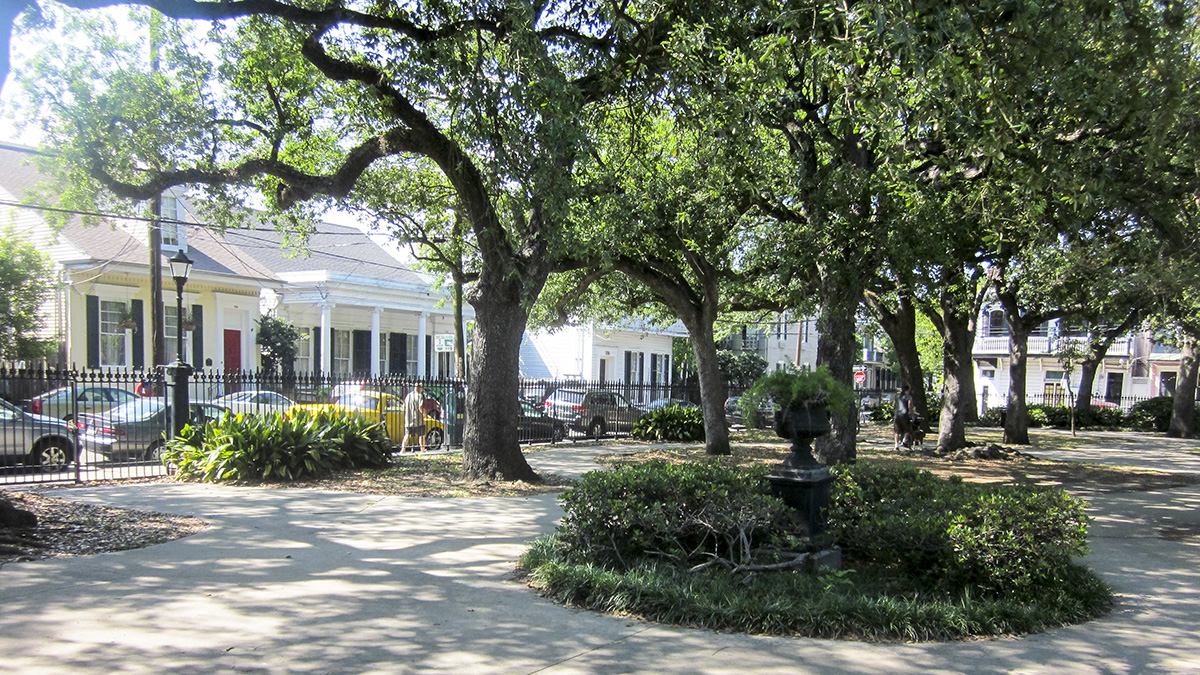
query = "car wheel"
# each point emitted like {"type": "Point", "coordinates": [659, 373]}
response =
{"type": "Point", "coordinates": [433, 438]}
{"type": "Point", "coordinates": [53, 456]}
{"type": "Point", "coordinates": [154, 453]}
{"type": "Point", "coordinates": [596, 430]}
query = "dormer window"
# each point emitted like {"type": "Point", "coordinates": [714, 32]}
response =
{"type": "Point", "coordinates": [171, 225]}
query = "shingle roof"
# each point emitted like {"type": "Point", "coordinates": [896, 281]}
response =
{"type": "Point", "coordinates": [255, 252]}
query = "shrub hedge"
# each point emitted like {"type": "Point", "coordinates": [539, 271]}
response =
{"type": "Point", "coordinates": [924, 558]}
{"type": "Point", "coordinates": [295, 446]}
{"type": "Point", "coordinates": [686, 512]}
{"type": "Point", "coordinates": [671, 423]}
{"type": "Point", "coordinates": [997, 539]}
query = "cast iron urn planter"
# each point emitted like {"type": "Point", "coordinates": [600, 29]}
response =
{"type": "Point", "coordinates": [800, 480]}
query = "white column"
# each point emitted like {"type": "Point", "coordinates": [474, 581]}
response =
{"type": "Point", "coordinates": [421, 355]}
{"type": "Point", "coordinates": [326, 343]}
{"type": "Point", "coordinates": [375, 312]}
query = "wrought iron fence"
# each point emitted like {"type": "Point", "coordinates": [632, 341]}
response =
{"type": "Point", "coordinates": [77, 425]}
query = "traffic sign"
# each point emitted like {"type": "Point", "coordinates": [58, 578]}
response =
{"type": "Point", "coordinates": [443, 343]}
{"type": "Point", "coordinates": [860, 377]}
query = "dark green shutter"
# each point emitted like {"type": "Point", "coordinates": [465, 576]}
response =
{"type": "Point", "coordinates": [316, 338]}
{"type": "Point", "coordinates": [398, 353]}
{"type": "Point", "coordinates": [92, 309]}
{"type": "Point", "coordinates": [139, 340]}
{"type": "Point", "coordinates": [361, 351]}
{"type": "Point", "coordinates": [198, 336]}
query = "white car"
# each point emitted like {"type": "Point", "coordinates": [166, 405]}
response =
{"type": "Point", "coordinates": [255, 402]}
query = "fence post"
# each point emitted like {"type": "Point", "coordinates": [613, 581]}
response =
{"type": "Point", "coordinates": [180, 406]}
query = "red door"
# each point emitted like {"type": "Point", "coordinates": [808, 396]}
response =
{"type": "Point", "coordinates": [233, 360]}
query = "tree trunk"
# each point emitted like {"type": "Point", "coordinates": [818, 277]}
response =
{"type": "Point", "coordinates": [1087, 382]}
{"type": "Point", "coordinates": [958, 389]}
{"type": "Point", "coordinates": [836, 350]}
{"type": "Point", "coordinates": [1183, 412]}
{"type": "Point", "coordinates": [1016, 423]}
{"type": "Point", "coordinates": [491, 448]}
{"type": "Point", "coordinates": [712, 391]}
{"type": "Point", "coordinates": [901, 326]}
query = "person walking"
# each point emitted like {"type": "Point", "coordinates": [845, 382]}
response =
{"type": "Point", "coordinates": [414, 416]}
{"type": "Point", "coordinates": [902, 419]}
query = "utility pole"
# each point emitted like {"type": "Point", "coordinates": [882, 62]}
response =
{"type": "Point", "coordinates": [158, 338]}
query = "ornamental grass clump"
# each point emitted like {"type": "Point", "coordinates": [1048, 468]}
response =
{"type": "Point", "coordinates": [295, 446]}
{"type": "Point", "coordinates": [925, 559]}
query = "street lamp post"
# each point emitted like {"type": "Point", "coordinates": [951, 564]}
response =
{"type": "Point", "coordinates": [181, 267]}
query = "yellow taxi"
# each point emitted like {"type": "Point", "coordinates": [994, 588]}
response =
{"type": "Point", "coordinates": [389, 410]}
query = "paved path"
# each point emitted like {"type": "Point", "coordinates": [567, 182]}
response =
{"type": "Point", "coordinates": [289, 581]}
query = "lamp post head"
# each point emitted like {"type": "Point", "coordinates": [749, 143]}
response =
{"type": "Point", "coordinates": [181, 266]}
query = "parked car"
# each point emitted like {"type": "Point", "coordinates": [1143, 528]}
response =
{"type": "Point", "coordinates": [136, 430]}
{"type": "Point", "coordinates": [65, 402]}
{"type": "Point", "coordinates": [35, 440]}
{"type": "Point", "coordinates": [533, 425]}
{"type": "Point", "coordinates": [432, 406]}
{"type": "Point", "coordinates": [764, 420]}
{"type": "Point", "coordinates": [659, 403]}
{"type": "Point", "coordinates": [385, 408]}
{"type": "Point", "coordinates": [255, 402]}
{"type": "Point", "coordinates": [595, 413]}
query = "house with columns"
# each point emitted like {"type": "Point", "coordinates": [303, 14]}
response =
{"type": "Point", "coordinates": [362, 310]}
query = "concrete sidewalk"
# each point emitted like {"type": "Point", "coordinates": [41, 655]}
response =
{"type": "Point", "coordinates": [291, 581]}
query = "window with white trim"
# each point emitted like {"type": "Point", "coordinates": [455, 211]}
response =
{"type": "Point", "coordinates": [304, 348]}
{"type": "Point", "coordinates": [341, 351]}
{"type": "Point", "coordinates": [412, 356]}
{"type": "Point", "coordinates": [171, 335]}
{"type": "Point", "coordinates": [113, 338]}
{"type": "Point", "coordinates": [171, 212]}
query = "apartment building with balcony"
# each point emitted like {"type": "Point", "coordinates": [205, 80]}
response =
{"type": "Point", "coordinates": [1134, 368]}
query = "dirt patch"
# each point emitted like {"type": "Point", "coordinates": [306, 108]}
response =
{"type": "Point", "coordinates": [1026, 469]}
{"type": "Point", "coordinates": [68, 528]}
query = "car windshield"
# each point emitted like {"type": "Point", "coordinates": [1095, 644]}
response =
{"type": "Point", "coordinates": [136, 410]}
{"type": "Point", "coordinates": [567, 396]}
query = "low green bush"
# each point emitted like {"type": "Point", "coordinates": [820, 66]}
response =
{"type": "Point", "coordinates": [282, 447]}
{"type": "Point", "coordinates": [885, 411]}
{"type": "Point", "coordinates": [1102, 417]}
{"type": "Point", "coordinates": [1151, 415]}
{"type": "Point", "coordinates": [924, 558]}
{"type": "Point", "coordinates": [953, 534]}
{"type": "Point", "coordinates": [689, 513]}
{"type": "Point", "coordinates": [670, 423]}
{"type": "Point", "coordinates": [991, 417]}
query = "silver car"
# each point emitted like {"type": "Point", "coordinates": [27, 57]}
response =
{"type": "Point", "coordinates": [65, 402]}
{"type": "Point", "coordinates": [136, 430]}
{"type": "Point", "coordinates": [255, 402]}
{"type": "Point", "coordinates": [35, 440]}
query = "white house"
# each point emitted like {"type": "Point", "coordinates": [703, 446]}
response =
{"type": "Point", "coordinates": [634, 353]}
{"type": "Point", "coordinates": [1134, 368]}
{"type": "Point", "coordinates": [364, 310]}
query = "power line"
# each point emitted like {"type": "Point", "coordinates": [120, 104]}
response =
{"type": "Point", "coordinates": [216, 239]}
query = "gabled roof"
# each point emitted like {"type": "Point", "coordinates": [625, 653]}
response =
{"type": "Point", "coordinates": [333, 248]}
{"type": "Point", "coordinates": [255, 251]}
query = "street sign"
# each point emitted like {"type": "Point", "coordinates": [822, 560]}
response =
{"type": "Point", "coordinates": [443, 343]}
{"type": "Point", "coordinates": [860, 377]}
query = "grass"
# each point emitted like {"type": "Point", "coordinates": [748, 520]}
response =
{"type": "Point", "coordinates": [862, 604]}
